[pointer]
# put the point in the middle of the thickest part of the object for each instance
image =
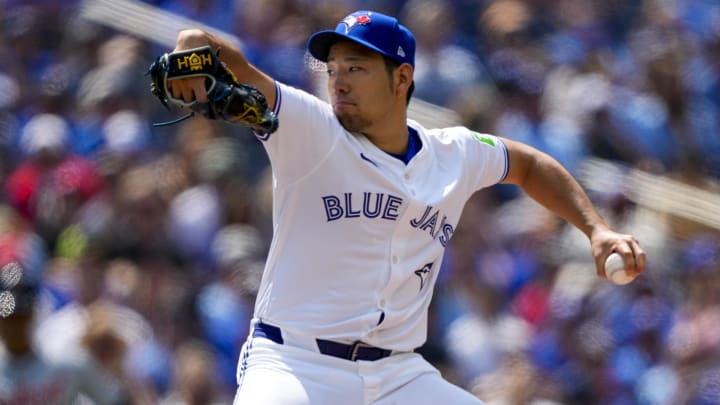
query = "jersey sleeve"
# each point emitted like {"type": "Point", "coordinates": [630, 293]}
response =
{"type": "Point", "coordinates": [487, 159]}
{"type": "Point", "coordinates": [307, 132]}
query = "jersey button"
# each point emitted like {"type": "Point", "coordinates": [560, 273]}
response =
{"type": "Point", "coordinates": [394, 259]}
{"type": "Point", "coordinates": [407, 176]}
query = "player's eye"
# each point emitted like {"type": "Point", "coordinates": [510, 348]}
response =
{"type": "Point", "coordinates": [330, 72]}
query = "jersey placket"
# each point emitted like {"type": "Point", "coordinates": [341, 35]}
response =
{"type": "Point", "coordinates": [397, 252]}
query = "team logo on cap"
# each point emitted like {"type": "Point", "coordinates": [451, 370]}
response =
{"type": "Point", "coordinates": [351, 20]}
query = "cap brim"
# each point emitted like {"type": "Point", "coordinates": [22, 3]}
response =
{"type": "Point", "coordinates": [320, 43]}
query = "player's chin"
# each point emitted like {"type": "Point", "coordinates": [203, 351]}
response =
{"type": "Point", "coordinates": [351, 122]}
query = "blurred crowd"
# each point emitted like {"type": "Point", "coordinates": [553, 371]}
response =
{"type": "Point", "coordinates": [142, 247]}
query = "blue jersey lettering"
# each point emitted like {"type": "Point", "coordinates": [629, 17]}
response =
{"type": "Point", "coordinates": [333, 208]}
{"type": "Point", "coordinates": [367, 198]}
{"type": "Point", "coordinates": [428, 222]}
{"type": "Point", "coordinates": [447, 232]}
{"type": "Point", "coordinates": [349, 213]}
{"type": "Point", "coordinates": [373, 205]}
{"type": "Point", "coordinates": [391, 207]}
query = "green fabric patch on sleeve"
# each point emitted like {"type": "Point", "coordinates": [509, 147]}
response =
{"type": "Point", "coordinates": [483, 139]}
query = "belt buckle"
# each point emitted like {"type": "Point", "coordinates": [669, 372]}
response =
{"type": "Point", "coordinates": [357, 346]}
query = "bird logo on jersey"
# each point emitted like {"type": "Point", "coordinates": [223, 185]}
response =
{"type": "Point", "coordinates": [423, 273]}
{"type": "Point", "coordinates": [351, 20]}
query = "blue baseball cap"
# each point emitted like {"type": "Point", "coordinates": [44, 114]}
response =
{"type": "Point", "coordinates": [377, 31]}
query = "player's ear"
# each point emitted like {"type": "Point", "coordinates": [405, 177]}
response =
{"type": "Point", "coordinates": [403, 78]}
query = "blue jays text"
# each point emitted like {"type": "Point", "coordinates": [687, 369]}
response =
{"type": "Point", "coordinates": [386, 206]}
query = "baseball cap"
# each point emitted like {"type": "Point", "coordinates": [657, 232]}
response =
{"type": "Point", "coordinates": [377, 31]}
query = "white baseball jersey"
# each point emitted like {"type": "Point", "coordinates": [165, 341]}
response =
{"type": "Point", "coordinates": [358, 235]}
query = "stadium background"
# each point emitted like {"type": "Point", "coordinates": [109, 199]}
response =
{"type": "Point", "coordinates": [159, 234]}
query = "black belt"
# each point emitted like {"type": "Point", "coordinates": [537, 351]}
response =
{"type": "Point", "coordinates": [353, 352]}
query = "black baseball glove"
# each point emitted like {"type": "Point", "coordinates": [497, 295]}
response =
{"type": "Point", "coordinates": [228, 99]}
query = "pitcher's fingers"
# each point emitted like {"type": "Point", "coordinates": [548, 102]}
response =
{"type": "Point", "coordinates": [199, 90]}
{"type": "Point", "coordinates": [640, 257]}
{"type": "Point", "coordinates": [180, 90]}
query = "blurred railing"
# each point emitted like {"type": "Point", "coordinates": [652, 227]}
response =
{"type": "Point", "coordinates": [143, 20]}
{"type": "Point", "coordinates": [659, 193]}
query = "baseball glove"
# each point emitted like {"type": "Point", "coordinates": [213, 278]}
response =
{"type": "Point", "coordinates": [228, 99]}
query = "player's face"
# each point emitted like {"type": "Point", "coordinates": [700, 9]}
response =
{"type": "Point", "coordinates": [359, 86]}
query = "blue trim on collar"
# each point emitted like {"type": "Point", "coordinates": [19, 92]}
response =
{"type": "Point", "coordinates": [414, 145]}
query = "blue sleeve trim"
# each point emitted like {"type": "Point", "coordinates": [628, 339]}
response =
{"type": "Point", "coordinates": [507, 162]}
{"type": "Point", "coordinates": [276, 109]}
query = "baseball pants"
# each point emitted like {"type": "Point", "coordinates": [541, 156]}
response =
{"type": "Point", "coordinates": [271, 373]}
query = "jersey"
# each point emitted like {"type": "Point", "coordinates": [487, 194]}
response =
{"type": "Point", "coordinates": [358, 235]}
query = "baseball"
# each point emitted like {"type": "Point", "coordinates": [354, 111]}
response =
{"type": "Point", "coordinates": [615, 270]}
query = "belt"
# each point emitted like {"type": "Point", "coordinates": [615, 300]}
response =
{"type": "Point", "coordinates": [353, 352]}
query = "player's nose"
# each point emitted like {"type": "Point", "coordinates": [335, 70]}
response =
{"type": "Point", "coordinates": [339, 85]}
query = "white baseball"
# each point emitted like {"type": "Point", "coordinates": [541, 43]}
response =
{"type": "Point", "coordinates": [615, 270]}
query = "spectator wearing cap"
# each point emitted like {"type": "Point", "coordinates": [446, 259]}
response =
{"type": "Point", "coordinates": [52, 182]}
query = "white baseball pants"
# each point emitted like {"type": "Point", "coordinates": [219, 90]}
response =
{"type": "Point", "coordinates": [270, 373]}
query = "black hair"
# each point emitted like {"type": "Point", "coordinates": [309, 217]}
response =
{"type": "Point", "coordinates": [390, 66]}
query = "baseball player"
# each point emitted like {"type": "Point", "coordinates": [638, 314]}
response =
{"type": "Point", "coordinates": [365, 202]}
